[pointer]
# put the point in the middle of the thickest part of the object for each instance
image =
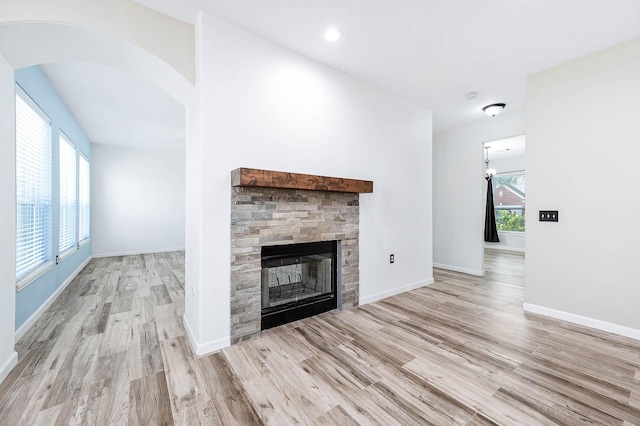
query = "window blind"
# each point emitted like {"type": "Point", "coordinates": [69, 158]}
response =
{"type": "Point", "coordinates": [68, 204]}
{"type": "Point", "coordinates": [84, 194]}
{"type": "Point", "coordinates": [33, 185]}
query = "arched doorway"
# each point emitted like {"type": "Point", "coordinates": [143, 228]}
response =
{"type": "Point", "coordinates": [23, 44]}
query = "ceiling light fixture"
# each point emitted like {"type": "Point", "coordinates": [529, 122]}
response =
{"type": "Point", "coordinates": [333, 34]}
{"type": "Point", "coordinates": [494, 109]}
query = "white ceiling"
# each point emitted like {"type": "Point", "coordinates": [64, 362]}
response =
{"type": "Point", "coordinates": [507, 147]}
{"type": "Point", "coordinates": [434, 51]}
{"type": "Point", "coordinates": [114, 107]}
{"type": "Point", "coordinates": [431, 52]}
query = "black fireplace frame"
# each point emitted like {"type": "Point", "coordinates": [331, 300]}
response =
{"type": "Point", "coordinates": [308, 307]}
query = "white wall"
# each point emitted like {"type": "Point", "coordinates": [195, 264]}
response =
{"type": "Point", "coordinates": [34, 43]}
{"type": "Point", "coordinates": [137, 200]}
{"type": "Point", "coordinates": [260, 105]}
{"type": "Point", "coordinates": [509, 164]}
{"type": "Point", "coordinates": [165, 37]}
{"type": "Point", "coordinates": [586, 264]}
{"type": "Point", "coordinates": [458, 191]}
{"type": "Point", "coordinates": [8, 357]}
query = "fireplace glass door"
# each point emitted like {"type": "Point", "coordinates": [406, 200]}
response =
{"type": "Point", "coordinates": [298, 281]}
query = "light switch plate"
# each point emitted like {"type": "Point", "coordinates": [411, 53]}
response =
{"type": "Point", "coordinates": [548, 215]}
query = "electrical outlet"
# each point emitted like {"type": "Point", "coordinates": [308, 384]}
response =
{"type": "Point", "coordinates": [57, 259]}
{"type": "Point", "coordinates": [392, 258]}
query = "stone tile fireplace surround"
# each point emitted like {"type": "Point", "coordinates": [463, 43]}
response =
{"type": "Point", "coordinates": [274, 208]}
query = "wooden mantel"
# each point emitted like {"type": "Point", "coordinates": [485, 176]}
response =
{"type": "Point", "coordinates": [272, 179]}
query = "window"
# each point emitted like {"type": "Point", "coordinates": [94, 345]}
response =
{"type": "Point", "coordinates": [33, 185]}
{"type": "Point", "coordinates": [68, 204]}
{"type": "Point", "coordinates": [83, 191]}
{"type": "Point", "coordinates": [509, 201]}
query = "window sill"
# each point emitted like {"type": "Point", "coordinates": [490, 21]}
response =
{"type": "Point", "coordinates": [68, 252]}
{"type": "Point", "coordinates": [33, 275]}
{"type": "Point", "coordinates": [45, 267]}
{"type": "Point", "coordinates": [511, 232]}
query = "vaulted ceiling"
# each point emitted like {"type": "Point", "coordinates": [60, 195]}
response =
{"type": "Point", "coordinates": [114, 107]}
{"type": "Point", "coordinates": [431, 52]}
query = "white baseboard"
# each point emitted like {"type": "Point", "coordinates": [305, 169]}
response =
{"type": "Point", "coordinates": [38, 313]}
{"type": "Point", "coordinates": [394, 291]}
{"type": "Point", "coordinates": [205, 348]}
{"type": "Point", "coordinates": [504, 248]}
{"type": "Point", "coordinates": [135, 252]}
{"type": "Point", "coordinates": [476, 272]}
{"type": "Point", "coordinates": [6, 368]}
{"type": "Point", "coordinates": [586, 321]}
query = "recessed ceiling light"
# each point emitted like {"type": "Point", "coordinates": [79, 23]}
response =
{"type": "Point", "coordinates": [333, 34]}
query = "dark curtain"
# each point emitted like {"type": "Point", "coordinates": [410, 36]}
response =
{"type": "Point", "coordinates": [490, 229]}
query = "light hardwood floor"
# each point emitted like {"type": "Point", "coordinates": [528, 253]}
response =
{"type": "Point", "coordinates": [112, 351]}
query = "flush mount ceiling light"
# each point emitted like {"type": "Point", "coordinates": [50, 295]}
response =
{"type": "Point", "coordinates": [494, 109]}
{"type": "Point", "coordinates": [333, 34]}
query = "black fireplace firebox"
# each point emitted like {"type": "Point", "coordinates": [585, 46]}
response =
{"type": "Point", "coordinates": [298, 281]}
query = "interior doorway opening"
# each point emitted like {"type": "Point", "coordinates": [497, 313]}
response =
{"type": "Point", "coordinates": [25, 44]}
{"type": "Point", "coordinates": [505, 162]}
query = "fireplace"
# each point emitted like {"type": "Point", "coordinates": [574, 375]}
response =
{"type": "Point", "coordinates": [274, 211]}
{"type": "Point", "coordinates": [298, 281]}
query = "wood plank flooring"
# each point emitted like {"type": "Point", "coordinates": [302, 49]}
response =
{"type": "Point", "coordinates": [112, 351]}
